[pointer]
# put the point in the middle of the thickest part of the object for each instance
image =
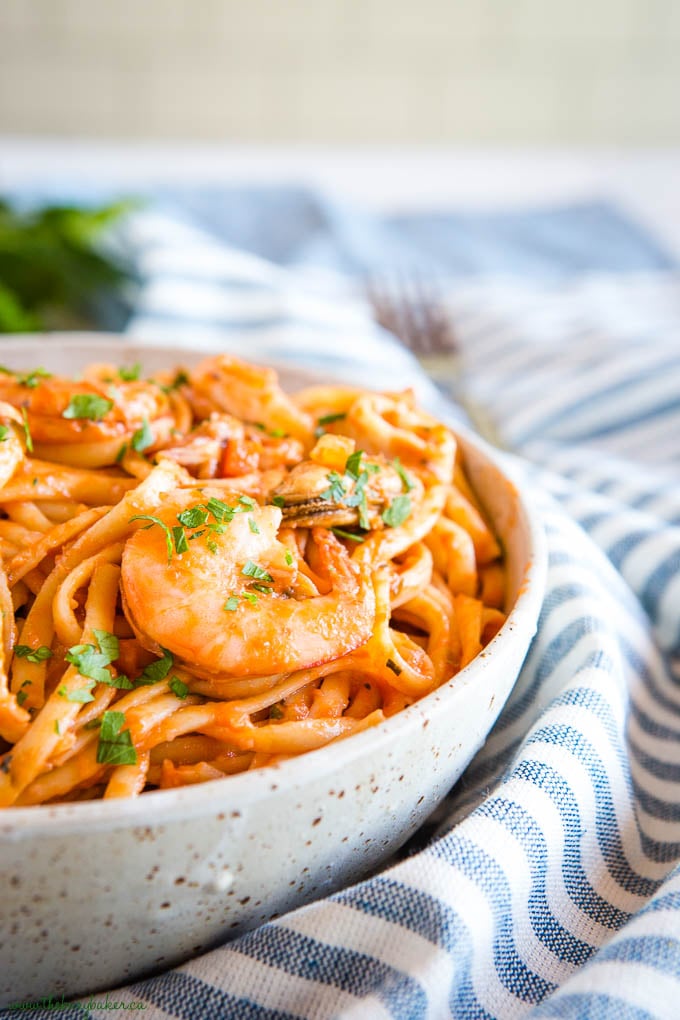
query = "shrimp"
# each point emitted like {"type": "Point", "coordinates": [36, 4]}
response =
{"type": "Point", "coordinates": [250, 393]}
{"type": "Point", "coordinates": [85, 423]}
{"type": "Point", "coordinates": [234, 602]}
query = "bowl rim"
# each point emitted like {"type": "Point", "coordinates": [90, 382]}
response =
{"type": "Point", "coordinates": [246, 788]}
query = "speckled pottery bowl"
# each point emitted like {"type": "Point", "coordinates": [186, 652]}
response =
{"type": "Point", "coordinates": [97, 893]}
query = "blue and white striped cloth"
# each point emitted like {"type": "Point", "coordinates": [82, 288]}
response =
{"type": "Point", "coordinates": [548, 884]}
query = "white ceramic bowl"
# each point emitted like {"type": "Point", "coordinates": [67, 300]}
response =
{"type": "Point", "coordinates": [98, 893]}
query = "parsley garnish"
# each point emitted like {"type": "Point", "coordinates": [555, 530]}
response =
{"type": "Point", "coordinates": [143, 437]}
{"type": "Point", "coordinates": [121, 453]}
{"type": "Point", "coordinates": [81, 694]}
{"type": "Point", "coordinates": [278, 501]}
{"type": "Point", "coordinates": [179, 536]}
{"type": "Point", "coordinates": [393, 666]}
{"type": "Point", "coordinates": [4, 429]}
{"type": "Point", "coordinates": [178, 687]}
{"type": "Point", "coordinates": [251, 569]}
{"type": "Point", "coordinates": [276, 712]}
{"type": "Point", "coordinates": [115, 744]}
{"type": "Point", "coordinates": [336, 490]}
{"type": "Point", "coordinates": [221, 511]}
{"type": "Point", "coordinates": [231, 605]}
{"type": "Point", "coordinates": [193, 518]}
{"type": "Point", "coordinates": [263, 588]}
{"type": "Point", "coordinates": [161, 524]}
{"type": "Point", "coordinates": [397, 512]}
{"type": "Point", "coordinates": [289, 557]}
{"type": "Point", "coordinates": [250, 596]}
{"type": "Point", "coordinates": [130, 374]}
{"type": "Point", "coordinates": [27, 431]}
{"type": "Point", "coordinates": [328, 419]}
{"type": "Point", "coordinates": [211, 545]}
{"type": "Point", "coordinates": [401, 471]}
{"type": "Point", "coordinates": [348, 534]}
{"type": "Point", "coordinates": [32, 379]}
{"type": "Point", "coordinates": [248, 501]}
{"type": "Point", "coordinates": [252, 524]}
{"type": "Point", "coordinates": [33, 654]}
{"type": "Point", "coordinates": [181, 379]}
{"type": "Point", "coordinates": [88, 405]}
{"type": "Point", "coordinates": [156, 671]}
{"type": "Point", "coordinates": [92, 663]}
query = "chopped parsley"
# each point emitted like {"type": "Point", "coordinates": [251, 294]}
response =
{"type": "Point", "coordinates": [250, 596]}
{"type": "Point", "coordinates": [289, 557]}
{"type": "Point", "coordinates": [251, 569]}
{"type": "Point", "coordinates": [406, 480]}
{"type": "Point", "coordinates": [276, 712]}
{"type": "Point", "coordinates": [181, 379]}
{"type": "Point", "coordinates": [398, 511]}
{"type": "Point", "coordinates": [88, 405]}
{"type": "Point", "coordinates": [81, 694]}
{"type": "Point", "coordinates": [27, 431]}
{"type": "Point", "coordinates": [259, 586]}
{"type": "Point", "coordinates": [4, 431]}
{"type": "Point", "coordinates": [39, 654]}
{"type": "Point", "coordinates": [231, 605]}
{"type": "Point", "coordinates": [92, 662]}
{"type": "Point", "coordinates": [115, 745]}
{"type": "Point", "coordinates": [130, 374]}
{"type": "Point", "coordinates": [193, 518]}
{"type": "Point", "coordinates": [348, 535]}
{"type": "Point", "coordinates": [179, 537]}
{"type": "Point", "coordinates": [121, 453]}
{"type": "Point", "coordinates": [393, 666]}
{"type": "Point", "coordinates": [32, 379]}
{"type": "Point", "coordinates": [143, 437]}
{"type": "Point", "coordinates": [328, 419]}
{"type": "Point", "coordinates": [278, 501]}
{"type": "Point", "coordinates": [161, 524]}
{"type": "Point", "coordinates": [252, 524]}
{"type": "Point", "coordinates": [178, 687]}
{"type": "Point", "coordinates": [211, 545]}
{"type": "Point", "coordinates": [155, 671]}
{"type": "Point", "coordinates": [336, 491]}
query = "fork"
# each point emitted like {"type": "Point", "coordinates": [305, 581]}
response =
{"type": "Point", "coordinates": [412, 310]}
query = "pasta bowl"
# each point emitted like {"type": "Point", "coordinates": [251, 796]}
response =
{"type": "Point", "coordinates": [98, 893]}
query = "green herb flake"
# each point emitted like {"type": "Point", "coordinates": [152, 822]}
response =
{"type": "Point", "coordinates": [132, 373]}
{"type": "Point", "coordinates": [27, 432]}
{"type": "Point", "coordinates": [179, 537]}
{"type": "Point", "coordinates": [92, 662]}
{"type": "Point", "coordinates": [278, 501]}
{"type": "Point", "coordinates": [143, 437]}
{"type": "Point", "coordinates": [336, 491]}
{"type": "Point", "coordinates": [289, 557]}
{"type": "Point", "coordinates": [406, 480]}
{"type": "Point", "coordinates": [248, 501]}
{"type": "Point", "coordinates": [393, 666]}
{"type": "Point", "coordinates": [212, 546]}
{"type": "Point", "coordinates": [231, 605]}
{"type": "Point", "coordinates": [88, 405]}
{"type": "Point", "coordinates": [178, 687]}
{"type": "Point", "coordinates": [57, 729]}
{"type": "Point", "coordinates": [32, 379]}
{"type": "Point", "coordinates": [250, 596]}
{"type": "Point", "coordinates": [397, 512]}
{"type": "Point", "coordinates": [115, 745]}
{"type": "Point", "coordinates": [109, 644]}
{"type": "Point", "coordinates": [263, 588]}
{"type": "Point", "coordinates": [81, 695]}
{"type": "Point", "coordinates": [221, 511]}
{"type": "Point", "coordinates": [33, 654]}
{"type": "Point", "coordinates": [276, 712]}
{"type": "Point", "coordinates": [155, 671]}
{"type": "Point", "coordinates": [4, 432]}
{"type": "Point", "coordinates": [348, 535]}
{"type": "Point", "coordinates": [121, 453]}
{"type": "Point", "coordinates": [21, 697]}
{"type": "Point", "coordinates": [353, 464]}
{"type": "Point", "coordinates": [161, 524]}
{"type": "Point", "coordinates": [195, 517]}
{"type": "Point", "coordinates": [251, 569]}
{"type": "Point", "coordinates": [252, 524]}
{"type": "Point", "coordinates": [328, 419]}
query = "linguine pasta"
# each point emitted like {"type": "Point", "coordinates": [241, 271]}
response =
{"type": "Point", "coordinates": [202, 574]}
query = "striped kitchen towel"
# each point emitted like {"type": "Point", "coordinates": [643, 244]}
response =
{"type": "Point", "coordinates": [548, 883]}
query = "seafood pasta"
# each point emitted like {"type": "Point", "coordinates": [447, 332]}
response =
{"type": "Point", "coordinates": [202, 574]}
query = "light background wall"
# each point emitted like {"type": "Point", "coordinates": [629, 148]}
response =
{"type": "Point", "coordinates": [345, 71]}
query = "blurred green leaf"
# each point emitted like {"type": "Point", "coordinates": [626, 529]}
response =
{"type": "Point", "coordinates": [53, 262]}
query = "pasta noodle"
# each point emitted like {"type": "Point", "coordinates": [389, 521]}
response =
{"type": "Point", "coordinates": [201, 574]}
